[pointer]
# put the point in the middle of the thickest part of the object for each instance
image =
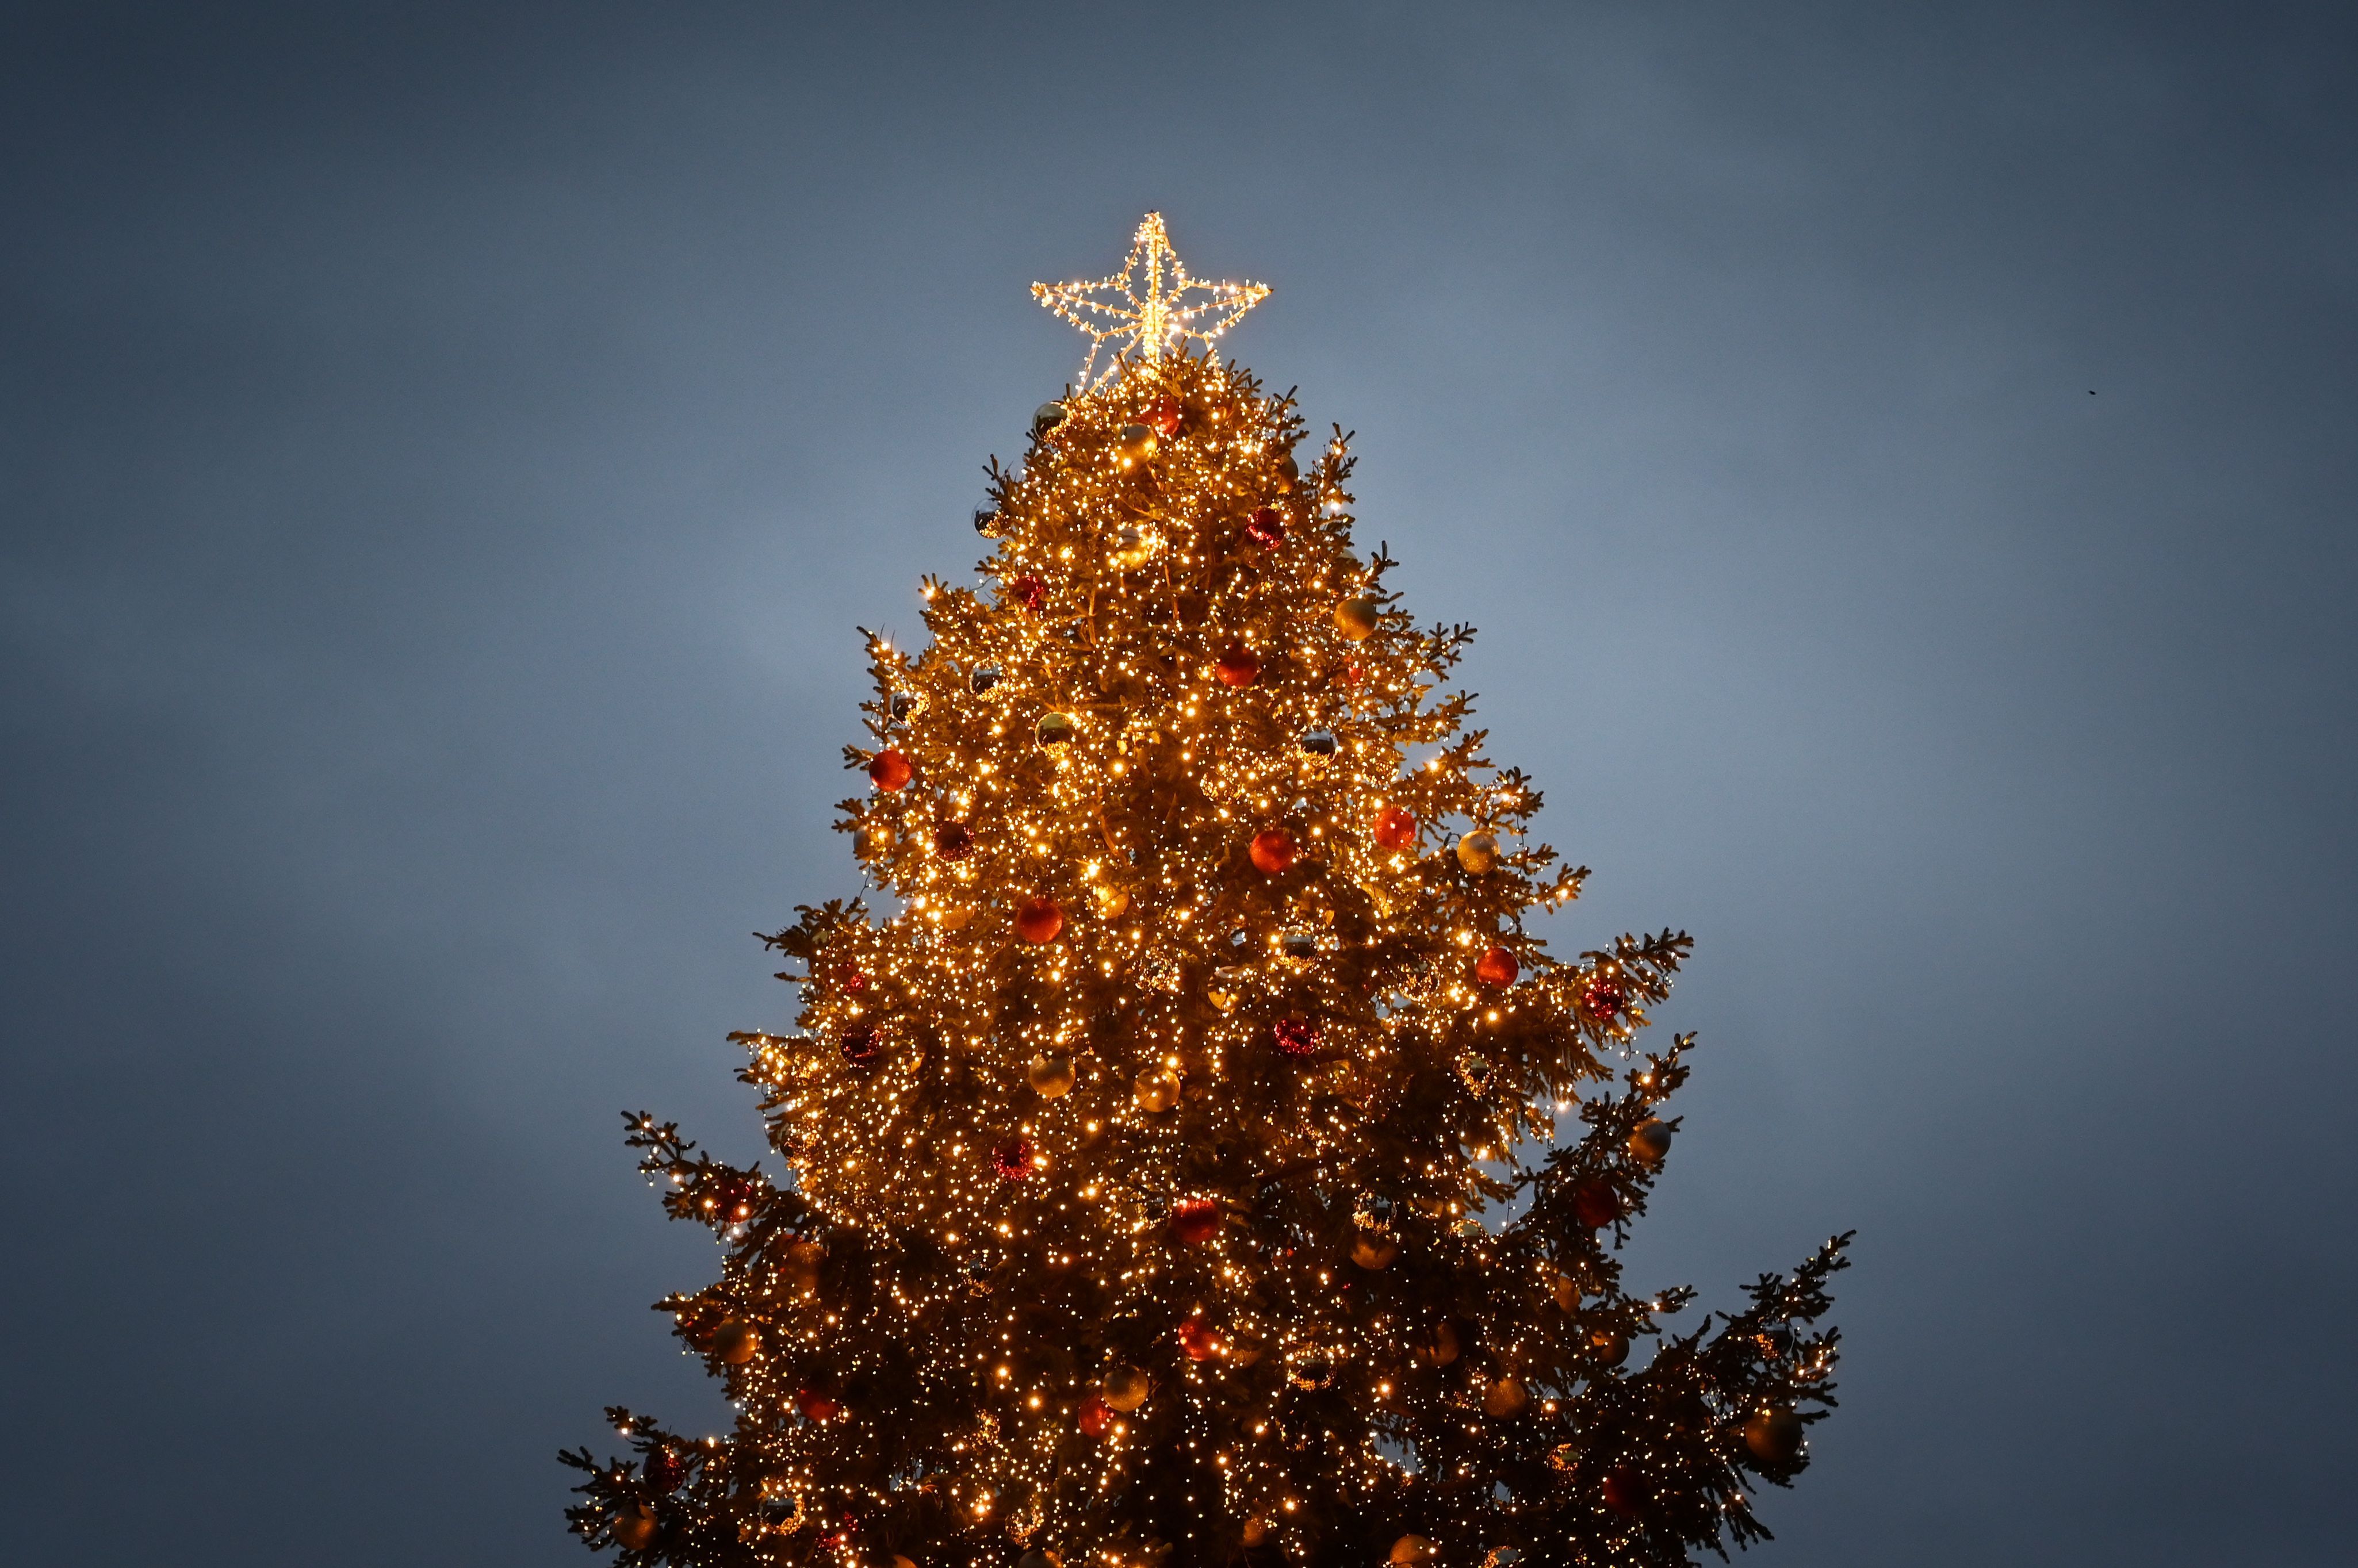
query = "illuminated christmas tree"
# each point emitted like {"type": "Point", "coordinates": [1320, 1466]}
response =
{"type": "Point", "coordinates": [1173, 1172]}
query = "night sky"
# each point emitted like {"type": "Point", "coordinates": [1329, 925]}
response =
{"type": "Point", "coordinates": [1901, 460]}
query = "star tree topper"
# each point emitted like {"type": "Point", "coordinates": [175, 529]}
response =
{"type": "Point", "coordinates": [1146, 306]}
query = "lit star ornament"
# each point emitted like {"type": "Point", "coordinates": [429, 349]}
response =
{"type": "Point", "coordinates": [1151, 307]}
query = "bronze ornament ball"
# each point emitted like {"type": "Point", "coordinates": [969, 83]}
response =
{"type": "Point", "coordinates": [1479, 852]}
{"type": "Point", "coordinates": [1650, 1142]}
{"type": "Point", "coordinates": [1506, 1397]}
{"type": "Point", "coordinates": [1156, 1091]}
{"type": "Point", "coordinates": [635, 1527]}
{"type": "Point", "coordinates": [1611, 1348]}
{"type": "Point", "coordinates": [1126, 1389]}
{"type": "Point", "coordinates": [1774, 1435]}
{"type": "Point", "coordinates": [737, 1342]}
{"type": "Point", "coordinates": [1050, 1075]}
{"type": "Point", "coordinates": [1411, 1552]}
{"type": "Point", "coordinates": [1374, 1251]}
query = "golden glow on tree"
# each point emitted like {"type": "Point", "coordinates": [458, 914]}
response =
{"type": "Point", "coordinates": [1174, 1140]}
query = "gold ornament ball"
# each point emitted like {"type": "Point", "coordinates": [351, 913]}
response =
{"type": "Point", "coordinates": [1156, 1091]}
{"type": "Point", "coordinates": [1567, 1293]}
{"type": "Point", "coordinates": [1505, 1398]}
{"type": "Point", "coordinates": [635, 1527]}
{"type": "Point", "coordinates": [1478, 852]}
{"type": "Point", "coordinates": [1050, 1075]}
{"type": "Point", "coordinates": [737, 1342]}
{"type": "Point", "coordinates": [1255, 1531]}
{"type": "Point", "coordinates": [1109, 899]}
{"type": "Point", "coordinates": [900, 1562]}
{"type": "Point", "coordinates": [1055, 729]}
{"type": "Point", "coordinates": [1137, 442]}
{"type": "Point", "coordinates": [1356, 619]}
{"type": "Point", "coordinates": [1411, 1552]}
{"type": "Point", "coordinates": [1126, 1389]}
{"type": "Point", "coordinates": [1372, 1252]}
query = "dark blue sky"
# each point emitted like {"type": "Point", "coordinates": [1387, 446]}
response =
{"type": "Point", "coordinates": [1901, 459]}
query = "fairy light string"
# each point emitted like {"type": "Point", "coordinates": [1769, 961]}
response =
{"type": "Point", "coordinates": [1191, 1152]}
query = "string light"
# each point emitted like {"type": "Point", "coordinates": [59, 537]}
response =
{"type": "Point", "coordinates": [1146, 308]}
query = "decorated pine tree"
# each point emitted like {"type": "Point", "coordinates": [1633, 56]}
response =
{"type": "Point", "coordinates": [1189, 1151]}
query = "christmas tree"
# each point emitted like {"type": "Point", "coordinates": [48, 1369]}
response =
{"type": "Point", "coordinates": [1172, 1152]}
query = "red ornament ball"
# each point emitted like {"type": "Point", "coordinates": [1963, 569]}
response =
{"type": "Point", "coordinates": [853, 980]}
{"type": "Point", "coordinates": [1265, 528]}
{"type": "Point", "coordinates": [1496, 968]}
{"type": "Point", "coordinates": [953, 841]}
{"type": "Point", "coordinates": [1625, 1490]}
{"type": "Point", "coordinates": [1272, 851]}
{"type": "Point", "coordinates": [1604, 999]}
{"type": "Point", "coordinates": [1295, 1036]}
{"type": "Point", "coordinates": [1095, 1418]}
{"type": "Point", "coordinates": [890, 772]}
{"type": "Point", "coordinates": [1395, 827]}
{"type": "Point", "coordinates": [1039, 921]}
{"type": "Point", "coordinates": [1594, 1204]}
{"type": "Point", "coordinates": [1196, 1338]}
{"type": "Point", "coordinates": [666, 1468]}
{"type": "Point", "coordinates": [859, 1044]}
{"type": "Point", "coordinates": [816, 1405]}
{"type": "Point", "coordinates": [1028, 591]}
{"type": "Point", "coordinates": [1240, 666]}
{"type": "Point", "coordinates": [1195, 1221]}
{"type": "Point", "coordinates": [732, 1200]}
{"type": "Point", "coordinates": [1013, 1159]}
{"type": "Point", "coordinates": [1165, 415]}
